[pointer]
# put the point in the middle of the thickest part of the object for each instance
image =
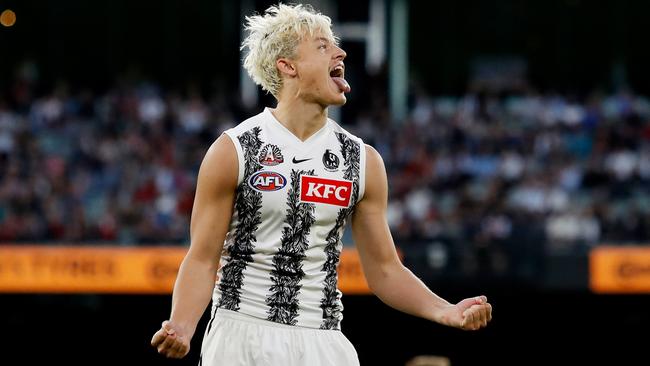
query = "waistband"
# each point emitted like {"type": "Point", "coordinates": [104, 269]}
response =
{"type": "Point", "coordinates": [235, 315]}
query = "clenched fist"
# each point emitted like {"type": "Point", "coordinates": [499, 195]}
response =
{"type": "Point", "coordinates": [170, 341]}
{"type": "Point", "coordinates": [470, 314]}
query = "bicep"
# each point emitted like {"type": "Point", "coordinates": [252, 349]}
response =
{"type": "Point", "coordinates": [213, 201]}
{"type": "Point", "coordinates": [370, 229]}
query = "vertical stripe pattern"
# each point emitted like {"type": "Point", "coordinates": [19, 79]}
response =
{"type": "Point", "coordinates": [351, 152]}
{"type": "Point", "coordinates": [248, 203]}
{"type": "Point", "coordinates": [287, 262]}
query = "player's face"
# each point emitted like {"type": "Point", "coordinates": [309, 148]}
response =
{"type": "Point", "coordinates": [321, 70]}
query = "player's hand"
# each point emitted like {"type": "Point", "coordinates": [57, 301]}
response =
{"type": "Point", "coordinates": [470, 314]}
{"type": "Point", "coordinates": [170, 341]}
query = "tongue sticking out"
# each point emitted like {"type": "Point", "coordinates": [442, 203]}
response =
{"type": "Point", "coordinates": [342, 84]}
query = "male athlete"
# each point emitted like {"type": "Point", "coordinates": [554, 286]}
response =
{"type": "Point", "coordinates": [273, 196]}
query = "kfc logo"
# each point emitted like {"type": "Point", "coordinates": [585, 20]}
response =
{"type": "Point", "coordinates": [321, 190]}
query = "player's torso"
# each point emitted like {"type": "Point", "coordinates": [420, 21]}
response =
{"type": "Point", "coordinates": [292, 203]}
{"type": "Point", "coordinates": [306, 177]}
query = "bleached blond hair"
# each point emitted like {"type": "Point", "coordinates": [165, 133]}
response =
{"type": "Point", "coordinates": [276, 34]}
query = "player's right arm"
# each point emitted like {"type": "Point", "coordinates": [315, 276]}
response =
{"type": "Point", "coordinates": [211, 214]}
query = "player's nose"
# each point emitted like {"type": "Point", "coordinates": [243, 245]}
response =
{"type": "Point", "coordinates": [340, 53]}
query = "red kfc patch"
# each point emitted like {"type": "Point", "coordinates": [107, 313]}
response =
{"type": "Point", "coordinates": [321, 190]}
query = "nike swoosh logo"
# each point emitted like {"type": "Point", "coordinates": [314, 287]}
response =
{"type": "Point", "coordinates": [296, 161]}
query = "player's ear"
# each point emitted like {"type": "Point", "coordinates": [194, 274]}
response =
{"type": "Point", "coordinates": [286, 67]}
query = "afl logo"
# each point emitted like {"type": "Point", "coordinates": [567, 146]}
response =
{"type": "Point", "coordinates": [330, 161]}
{"type": "Point", "coordinates": [267, 181]}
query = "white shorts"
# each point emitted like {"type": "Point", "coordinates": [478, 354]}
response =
{"type": "Point", "coordinates": [234, 339]}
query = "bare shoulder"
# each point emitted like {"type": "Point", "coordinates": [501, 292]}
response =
{"type": "Point", "coordinates": [372, 153]}
{"type": "Point", "coordinates": [375, 168]}
{"type": "Point", "coordinates": [376, 180]}
{"type": "Point", "coordinates": [220, 165]}
{"type": "Point", "coordinates": [222, 148]}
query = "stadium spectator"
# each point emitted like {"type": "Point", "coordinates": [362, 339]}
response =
{"type": "Point", "coordinates": [472, 172]}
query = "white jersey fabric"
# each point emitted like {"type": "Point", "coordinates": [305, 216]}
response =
{"type": "Point", "coordinates": [280, 256]}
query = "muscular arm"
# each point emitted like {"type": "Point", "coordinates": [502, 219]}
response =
{"type": "Point", "coordinates": [211, 214]}
{"type": "Point", "coordinates": [393, 283]}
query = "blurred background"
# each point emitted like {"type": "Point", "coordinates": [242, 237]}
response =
{"type": "Point", "coordinates": [516, 136]}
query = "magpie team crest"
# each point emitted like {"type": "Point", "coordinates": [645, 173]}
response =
{"type": "Point", "coordinates": [271, 155]}
{"type": "Point", "coordinates": [330, 161]}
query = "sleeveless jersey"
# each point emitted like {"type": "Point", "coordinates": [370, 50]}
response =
{"type": "Point", "coordinates": [293, 198]}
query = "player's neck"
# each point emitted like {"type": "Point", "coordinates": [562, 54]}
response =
{"type": "Point", "coordinates": [302, 119]}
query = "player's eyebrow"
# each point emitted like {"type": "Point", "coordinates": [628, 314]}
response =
{"type": "Point", "coordinates": [322, 39]}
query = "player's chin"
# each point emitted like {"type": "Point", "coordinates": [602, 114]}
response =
{"type": "Point", "coordinates": [339, 100]}
{"type": "Point", "coordinates": [337, 97]}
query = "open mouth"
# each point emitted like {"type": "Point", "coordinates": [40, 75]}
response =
{"type": "Point", "coordinates": [337, 75]}
{"type": "Point", "coordinates": [337, 72]}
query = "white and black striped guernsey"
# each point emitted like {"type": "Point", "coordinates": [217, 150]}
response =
{"type": "Point", "coordinates": [293, 198]}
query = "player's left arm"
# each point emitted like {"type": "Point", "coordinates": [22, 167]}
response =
{"type": "Point", "coordinates": [387, 277]}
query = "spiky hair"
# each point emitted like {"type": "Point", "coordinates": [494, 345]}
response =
{"type": "Point", "coordinates": [276, 34]}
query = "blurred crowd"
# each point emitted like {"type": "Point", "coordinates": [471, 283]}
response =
{"type": "Point", "coordinates": [491, 181]}
{"type": "Point", "coordinates": [517, 173]}
{"type": "Point", "coordinates": [116, 167]}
